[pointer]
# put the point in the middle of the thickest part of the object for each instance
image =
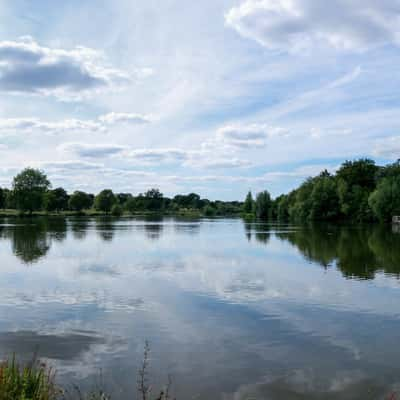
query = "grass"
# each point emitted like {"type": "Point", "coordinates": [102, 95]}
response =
{"type": "Point", "coordinates": [34, 381]}
{"type": "Point", "coordinates": [31, 382]}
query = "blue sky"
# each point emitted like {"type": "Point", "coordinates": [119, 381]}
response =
{"type": "Point", "coordinates": [216, 97]}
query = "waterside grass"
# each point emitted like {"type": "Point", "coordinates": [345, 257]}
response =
{"type": "Point", "coordinates": [35, 381]}
{"type": "Point", "coordinates": [30, 382]}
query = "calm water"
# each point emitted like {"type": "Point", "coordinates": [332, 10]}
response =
{"type": "Point", "coordinates": [231, 310]}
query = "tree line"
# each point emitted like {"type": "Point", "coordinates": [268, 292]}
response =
{"type": "Point", "coordinates": [359, 191]}
{"type": "Point", "coordinates": [31, 192]}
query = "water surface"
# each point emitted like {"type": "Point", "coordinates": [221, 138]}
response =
{"type": "Point", "coordinates": [231, 310]}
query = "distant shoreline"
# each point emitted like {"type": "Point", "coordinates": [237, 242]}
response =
{"type": "Point", "coordinates": [94, 213]}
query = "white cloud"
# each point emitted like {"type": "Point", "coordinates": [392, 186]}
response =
{"type": "Point", "coordinates": [253, 135]}
{"type": "Point", "coordinates": [27, 67]}
{"type": "Point", "coordinates": [113, 118]}
{"type": "Point", "coordinates": [157, 156]}
{"type": "Point", "coordinates": [300, 24]}
{"type": "Point", "coordinates": [207, 161]}
{"type": "Point", "coordinates": [187, 158]}
{"type": "Point", "coordinates": [388, 148]}
{"type": "Point", "coordinates": [154, 157]}
{"type": "Point", "coordinates": [18, 125]}
{"type": "Point", "coordinates": [304, 171]}
{"type": "Point", "coordinates": [70, 165]}
{"type": "Point", "coordinates": [92, 150]}
{"type": "Point", "coordinates": [28, 125]}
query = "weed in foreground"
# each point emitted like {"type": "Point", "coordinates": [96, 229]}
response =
{"type": "Point", "coordinates": [31, 382]}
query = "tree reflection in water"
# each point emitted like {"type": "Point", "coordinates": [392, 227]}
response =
{"type": "Point", "coordinates": [31, 237]}
{"type": "Point", "coordinates": [79, 226]}
{"type": "Point", "coordinates": [105, 227]}
{"type": "Point", "coordinates": [358, 252]}
{"type": "Point", "coordinates": [153, 227]}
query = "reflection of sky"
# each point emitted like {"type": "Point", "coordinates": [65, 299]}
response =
{"type": "Point", "coordinates": [223, 314]}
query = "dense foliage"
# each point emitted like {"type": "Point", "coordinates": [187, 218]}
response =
{"type": "Point", "coordinates": [31, 191]}
{"type": "Point", "coordinates": [359, 191]}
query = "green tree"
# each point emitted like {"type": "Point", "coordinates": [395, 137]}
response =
{"type": "Point", "coordinates": [62, 199]}
{"type": "Point", "coordinates": [9, 199]}
{"type": "Point", "coordinates": [263, 205]}
{"type": "Point", "coordinates": [282, 207]}
{"type": "Point", "coordinates": [154, 200]}
{"type": "Point", "coordinates": [192, 200]}
{"type": "Point", "coordinates": [131, 205]}
{"type": "Point", "coordinates": [324, 198]}
{"type": "Point", "coordinates": [209, 211]}
{"type": "Point", "coordinates": [123, 198]}
{"type": "Point", "coordinates": [2, 198]}
{"type": "Point", "coordinates": [80, 201]}
{"type": "Point", "coordinates": [105, 200]}
{"type": "Point", "coordinates": [56, 200]}
{"type": "Point", "coordinates": [117, 210]}
{"type": "Point", "coordinates": [49, 201]}
{"type": "Point", "coordinates": [29, 187]}
{"type": "Point", "coordinates": [248, 205]}
{"type": "Point", "coordinates": [385, 200]}
{"type": "Point", "coordinates": [356, 180]}
{"type": "Point", "coordinates": [300, 204]}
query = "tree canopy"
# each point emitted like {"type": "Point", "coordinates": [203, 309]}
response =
{"type": "Point", "coordinates": [29, 188]}
{"type": "Point", "coordinates": [80, 201]}
{"type": "Point", "coordinates": [105, 200]}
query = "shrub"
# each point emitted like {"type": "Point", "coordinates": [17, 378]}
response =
{"type": "Point", "coordinates": [117, 210]}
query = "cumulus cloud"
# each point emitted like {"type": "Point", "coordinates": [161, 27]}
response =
{"type": "Point", "coordinates": [27, 67]}
{"type": "Point", "coordinates": [253, 135]}
{"type": "Point", "coordinates": [92, 150]}
{"type": "Point", "coordinates": [102, 124]}
{"type": "Point", "coordinates": [154, 157]}
{"type": "Point", "coordinates": [187, 158]}
{"type": "Point", "coordinates": [299, 24]}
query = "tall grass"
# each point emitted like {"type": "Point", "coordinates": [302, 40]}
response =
{"type": "Point", "coordinates": [34, 381]}
{"type": "Point", "coordinates": [31, 382]}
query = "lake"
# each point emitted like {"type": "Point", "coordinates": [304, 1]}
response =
{"type": "Point", "coordinates": [231, 310]}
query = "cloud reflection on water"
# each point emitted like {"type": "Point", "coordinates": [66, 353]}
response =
{"type": "Point", "coordinates": [247, 303]}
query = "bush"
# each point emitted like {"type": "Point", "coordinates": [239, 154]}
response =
{"type": "Point", "coordinates": [117, 210]}
{"type": "Point", "coordinates": [209, 211]}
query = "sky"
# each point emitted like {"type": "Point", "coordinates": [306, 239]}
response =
{"type": "Point", "coordinates": [216, 97]}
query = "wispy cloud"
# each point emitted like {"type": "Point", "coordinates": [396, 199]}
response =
{"type": "Point", "coordinates": [101, 124]}
{"type": "Point", "coordinates": [132, 118]}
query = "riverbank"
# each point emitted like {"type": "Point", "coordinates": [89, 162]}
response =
{"type": "Point", "coordinates": [94, 213]}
